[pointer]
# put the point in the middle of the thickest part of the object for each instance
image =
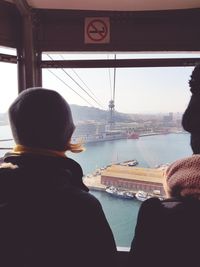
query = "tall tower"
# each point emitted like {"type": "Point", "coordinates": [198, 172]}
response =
{"type": "Point", "coordinates": [111, 104]}
{"type": "Point", "coordinates": [111, 120]}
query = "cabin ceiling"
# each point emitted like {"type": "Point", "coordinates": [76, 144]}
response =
{"type": "Point", "coordinates": [116, 5]}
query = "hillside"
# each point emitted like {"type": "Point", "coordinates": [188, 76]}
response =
{"type": "Point", "coordinates": [83, 113]}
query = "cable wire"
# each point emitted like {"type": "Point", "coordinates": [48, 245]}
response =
{"type": "Point", "coordinates": [88, 88]}
{"type": "Point", "coordinates": [69, 86]}
{"type": "Point", "coordinates": [110, 79]}
{"type": "Point", "coordinates": [114, 82]}
{"type": "Point", "coordinates": [76, 82]}
{"type": "Point", "coordinates": [83, 83]}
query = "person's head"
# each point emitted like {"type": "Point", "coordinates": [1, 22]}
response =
{"type": "Point", "coordinates": [182, 178]}
{"type": "Point", "coordinates": [194, 81]}
{"type": "Point", "coordinates": [191, 116]}
{"type": "Point", "coordinates": [41, 118]}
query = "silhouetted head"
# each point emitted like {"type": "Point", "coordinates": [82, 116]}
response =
{"type": "Point", "coordinates": [191, 117]}
{"type": "Point", "coordinates": [41, 118]}
{"type": "Point", "coordinates": [194, 81]}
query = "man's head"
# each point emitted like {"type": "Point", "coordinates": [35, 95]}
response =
{"type": "Point", "coordinates": [191, 116]}
{"type": "Point", "coordinates": [41, 118]}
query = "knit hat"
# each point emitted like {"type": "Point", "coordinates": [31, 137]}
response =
{"type": "Point", "coordinates": [41, 118]}
{"type": "Point", "coordinates": [183, 177]}
{"type": "Point", "coordinates": [191, 117]}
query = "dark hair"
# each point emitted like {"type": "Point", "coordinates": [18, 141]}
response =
{"type": "Point", "coordinates": [194, 82]}
{"type": "Point", "coordinates": [191, 116]}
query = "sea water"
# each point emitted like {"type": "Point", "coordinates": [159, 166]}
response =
{"type": "Point", "coordinates": [149, 151]}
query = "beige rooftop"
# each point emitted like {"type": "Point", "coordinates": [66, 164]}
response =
{"type": "Point", "coordinates": [135, 173]}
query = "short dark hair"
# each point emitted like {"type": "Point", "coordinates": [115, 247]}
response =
{"type": "Point", "coordinates": [194, 81]}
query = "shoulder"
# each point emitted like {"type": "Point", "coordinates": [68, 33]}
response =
{"type": "Point", "coordinates": [86, 199]}
{"type": "Point", "coordinates": [148, 212]}
{"type": "Point", "coordinates": [151, 204]}
{"type": "Point", "coordinates": [74, 167]}
{"type": "Point", "coordinates": [154, 207]}
{"type": "Point", "coordinates": [156, 203]}
{"type": "Point", "coordinates": [184, 207]}
{"type": "Point", "coordinates": [72, 163]}
{"type": "Point", "coordinates": [76, 173]}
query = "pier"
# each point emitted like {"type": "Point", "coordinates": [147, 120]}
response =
{"type": "Point", "coordinates": [127, 178]}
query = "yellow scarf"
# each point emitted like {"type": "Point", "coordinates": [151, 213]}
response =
{"type": "Point", "coordinates": [20, 149]}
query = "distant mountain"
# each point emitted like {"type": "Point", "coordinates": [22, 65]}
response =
{"type": "Point", "coordinates": [83, 113]}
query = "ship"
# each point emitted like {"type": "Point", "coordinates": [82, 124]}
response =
{"type": "Point", "coordinates": [108, 135]}
{"type": "Point", "coordinates": [129, 163]}
{"type": "Point", "coordinates": [89, 132]}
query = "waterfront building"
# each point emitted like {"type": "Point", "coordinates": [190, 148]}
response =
{"type": "Point", "coordinates": [85, 129]}
{"type": "Point", "coordinates": [90, 131]}
{"type": "Point", "coordinates": [134, 178]}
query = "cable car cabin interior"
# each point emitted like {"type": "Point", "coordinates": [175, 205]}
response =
{"type": "Point", "coordinates": [117, 36]}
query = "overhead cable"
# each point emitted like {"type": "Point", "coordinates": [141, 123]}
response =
{"type": "Point", "coordinates": [110, 79]}
{"type": "Point", "coordinates": [87, 87]}
{"type": "Point", "coordinates": [114, 82]}
{"type": "Point", "coordinates": [76, 82]}
{"type": "Point", "coordinates": [84, 83]}
{"type": "Point", "coordinates": [68, 86]}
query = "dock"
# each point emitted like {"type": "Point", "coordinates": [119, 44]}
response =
{"type": "Point", "coordinates": [127, 178]}
{"type": "Point", "coordinates": [94, 183]}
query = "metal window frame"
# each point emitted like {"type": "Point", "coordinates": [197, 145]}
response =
{"type": "Point", "coordinates": [8, 58]}
{"type": "Point", "coordinates": [121, 63]}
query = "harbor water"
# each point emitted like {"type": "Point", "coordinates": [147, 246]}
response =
{"type": "Point", "coordinates": [149, 151]}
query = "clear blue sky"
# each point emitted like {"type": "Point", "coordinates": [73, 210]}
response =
{"type": "Point", "coordinates": [137, 89]}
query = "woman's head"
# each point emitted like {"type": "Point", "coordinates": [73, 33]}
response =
{"type": "Point", "coordinates": [41, 118]}
{"type": "Point", "coordinates": [183, 178]}
{"type": "Point", "coordinates": [191, 116]}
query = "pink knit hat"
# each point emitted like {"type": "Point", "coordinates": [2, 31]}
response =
{"type": "Point", "coordinates": [183, 177]}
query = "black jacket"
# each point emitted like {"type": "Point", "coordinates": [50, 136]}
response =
{"type": "Point", "coordinates": [47, 217]}
{"type": "Point", "coordinates": [167, 234]}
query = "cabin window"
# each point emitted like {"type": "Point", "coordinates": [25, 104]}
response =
{"type": "Point", "coordinates": [125, 116]}
{"type": "Point", "coordinates": [8, 92]}
{"type": "Point", "coordinates": [128, 117]}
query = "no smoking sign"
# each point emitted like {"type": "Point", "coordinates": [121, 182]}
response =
{"type": "Point", "coordinates": [97, 30]}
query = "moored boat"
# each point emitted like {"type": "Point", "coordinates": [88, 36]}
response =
{"type": "Point", "coordinates": [119, 193]}
{"type": "Point", "coordinates": [142, 195]}
{"type": "Point", "coordinates": [130, 163]}
{"type": "Point", "coordinates": [133, 163]}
